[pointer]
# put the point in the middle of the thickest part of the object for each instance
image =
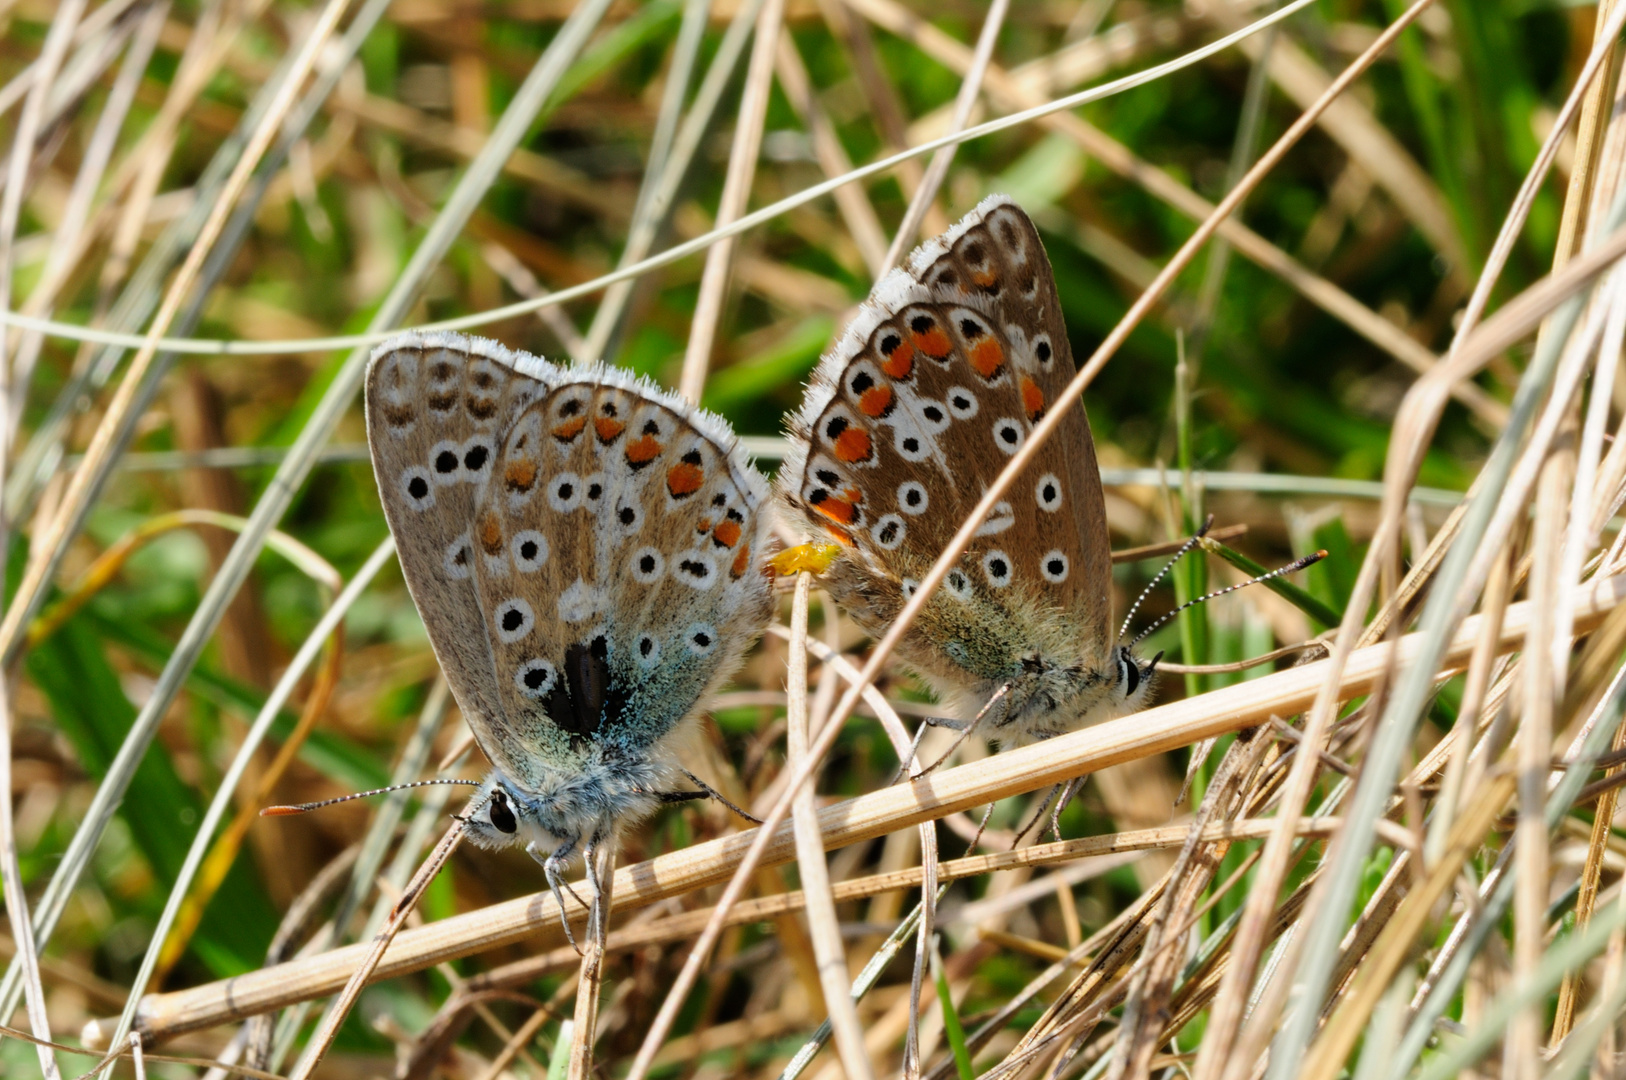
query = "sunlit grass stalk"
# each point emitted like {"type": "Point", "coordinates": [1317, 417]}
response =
{"type": "Point", "coordinates": [460, 204]}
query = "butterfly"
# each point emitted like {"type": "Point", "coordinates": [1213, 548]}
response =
{"type": "Point", "coordinates": [585, 551]}
{"type": "Point", "coordinates": [936, 382]}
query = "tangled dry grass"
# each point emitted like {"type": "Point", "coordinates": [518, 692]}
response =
{"type": "Point", "coordinates": [1343, 274]}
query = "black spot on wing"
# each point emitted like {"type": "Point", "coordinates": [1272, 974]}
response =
{"type": "Point", "coordinates": [586, 699]}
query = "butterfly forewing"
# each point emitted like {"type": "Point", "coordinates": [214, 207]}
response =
{"type": "Point", "coordinates": [936, 384]}
{"type": "Point", "coordinates": [619, 538]}
{"type": "Point", "coordinates": [997, 255]}
{"type": "Point", "coordinates": [436, 409]}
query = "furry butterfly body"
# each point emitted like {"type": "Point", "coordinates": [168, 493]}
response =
{"type": "Point", "coordinates": [935, 383]}
{"type": "Point", "coordinates": [584, 549]}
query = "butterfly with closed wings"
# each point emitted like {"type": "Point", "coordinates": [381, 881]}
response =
{"type": "Point", "coordinates": [936, 383]}
{"type": "Point", "coordinates": [584, 549]}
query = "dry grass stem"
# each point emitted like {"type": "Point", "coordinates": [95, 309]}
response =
{"type": "Point", "coordinates": [946, 791]}
{"type": "Point", "coordinates": [1396, 852]}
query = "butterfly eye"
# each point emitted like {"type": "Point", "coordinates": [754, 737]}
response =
{"type": "Point", "coordinates": [1041, 349]}
{"type": "Point", "coordinates": [502, 818]}
{"type": "Point", "coordinates": [912, 497]}
{"type": "Point", "coordinates": [1054, 566]}
{"type": "Point", "coordinates": [958, 584]}
{"type": "Point", "coordinates": [629, 517]}
{"type": "Point", "coordinates": [1048, 491]}
{"type": "Point", "coordinates": [648, 650]}
{"type": "Point", "coordinates": [997, 566]}
{"type": "Point", "coordinates": [1128, 672]}
{"type": "Point", "coordinates": [908, 586]}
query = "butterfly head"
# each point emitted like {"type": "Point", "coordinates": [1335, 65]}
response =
{"type": "Point", "coordinates": [1134, 680]}
{"type": "Point", "coordinates": [555, 808]}
{"type": "Point", "coordinates": [503, 814]}
{"type": "Point", "coordinates": [1050, 693]}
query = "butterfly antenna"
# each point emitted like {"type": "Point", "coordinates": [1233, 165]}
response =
{"type": "Point", "coordinates": [1292, 567]}
{"type": "Point", "coordinates": [300, 808]}
{"type": "Point", "coordinates": [1184, 548]}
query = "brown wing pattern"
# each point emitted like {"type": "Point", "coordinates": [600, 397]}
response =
{"type": "Point", "coordinates": [436, 407]}
{"type": "Point", "coordinates": [617, 544]}
{"type": "Point", "coordinates": [938, 381]}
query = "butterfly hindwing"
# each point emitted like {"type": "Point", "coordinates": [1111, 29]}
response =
{"type": "Point", "coordinates": [436, 407]}
{"type": "Point", "coordinates": [618, 541]}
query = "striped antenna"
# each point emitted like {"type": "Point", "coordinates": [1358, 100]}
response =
{"type": "Point", "coordinates": [300, 808]}
{"type": "Point", "coordinates": [1184, 548]}
{"type": "Point", "coordinates": [1295, 565]}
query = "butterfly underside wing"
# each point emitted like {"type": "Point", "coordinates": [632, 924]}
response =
{"type": "Point", "coordinates": [437, 405]}
{"type": "Point", "coordinates": [584, 549]}
{"type": "Point", "coordinates": [618, 547]}
{"type": "Point", "coordinates": [936, 383]}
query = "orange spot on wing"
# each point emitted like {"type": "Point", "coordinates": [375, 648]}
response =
{"type": "Point", "coordinates": [727, 534]}
{"type": "Point", "coordinates": [984, 278]}
{"type": "Point", "coordinates": [643, 451]}
{"type": "Point", "coordinates": [608, 429]}
{"type": "Point", "coordinates": [1032, 399]}
{"type": "Point", "coordinates": [837, 510]}
{"type": "Point", "coordinates": [684, 479]}
{"type": "Point", "coordinates": [933, 343]}
{"type": "Point", "coordinates": [520, 475]}
{"type": "Point", "coordinates": [570, 429]}
{"type": "Point", "coordinates": [491, 534]}
{"type": "Point", "coordinates": [901, 362]}
{"type": "Point", "coordinates": [742, 562]}
{"type": "Point", "coordinates": [854, 445]}
{"type": "Point", "coordinates": [875, 401]}
{"type": "Point", "coordinates": [987, 357]}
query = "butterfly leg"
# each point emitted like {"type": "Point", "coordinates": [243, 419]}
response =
{"type": "Point", "coordinates": [596, 914]}
{"type": "Point", "coordinates": [965, 728]}
{"type": "Point", "coordinates": [1067, 794]}
{"type": "Point", "coordinates": [1036, 818]}
{"type": "Point", "coordinates": [962, 726]}
{"type": "Point", "coordinates": [981, 826]}
{"type": "Point", "coordinates": [553, 866]}
{"type": "Point", "coordinates": [712, 793]}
